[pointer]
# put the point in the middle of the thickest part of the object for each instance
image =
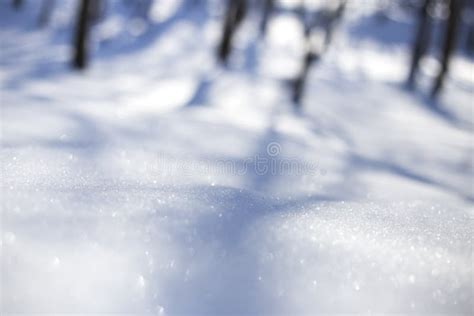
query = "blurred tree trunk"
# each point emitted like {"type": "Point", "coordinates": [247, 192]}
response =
{"type": "Point", "coordinates": [45, 12]}
{"type": "Point", "coordinates": [470, 39]}
{"type": "Point", "coordinates": [267, 11]}
{"type": "Point", "coordinates": [421, 41]}
{"type": "Point", "coordinates": [449, 44]}
{"type": "Point", "coordinates": [80, 57]}
{"type": "Point", "coordinates": [328, 20]}
{"type": "Point", "coordinates": [145, 8]}
{"type": "Point", "coordinates": [300, 80]}
{"type": "Point", "coordinates": [95, 11]}
{"type": "Point", "coordinates": [235, 13]}
{"type": "Point", "coordinates": [17, 4]}
{"type": "Point", "coordinates": [335, 18]}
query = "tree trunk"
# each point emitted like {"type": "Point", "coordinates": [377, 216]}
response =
{"type": "Point", "coordinates": [81, 36]}
{"type": "Point", "coordinates": [335, 18]}
{"type": "Point", "coordinates": [470, 39]}
{"type": "Point", "coordinates": [45, 12]}
{"type": "Point", "coordinates": [17, 4]}
{"type": "Point", "coordinates": [267, 10]}
{"type": "Point", "coordinates": [313, 54]}
{"type": "Point", "coordinates": [421, 41]}
{"type": "Point", "coordinates": [234, 15]}
{"type": "Point", "coordinates": [300, 81]}
{"type": "Point", "coordinates": [449, 44]}
{"type": "Point", "coordinates": [95, 11]}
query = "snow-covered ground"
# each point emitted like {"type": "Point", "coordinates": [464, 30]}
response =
{"type": "Point", "coordinates": [158, 182]}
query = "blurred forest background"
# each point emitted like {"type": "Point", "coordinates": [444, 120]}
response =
{"type": "Point", "coordinates": [440, 28]}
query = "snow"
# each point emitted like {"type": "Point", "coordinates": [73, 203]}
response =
{"type": "Point", "coordinates": [214, 249]}
{"type": "Point", "coordinates": [158, 182]}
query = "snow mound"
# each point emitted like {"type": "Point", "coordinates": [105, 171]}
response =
{"type": "Point", "coordinates": [367, 257]}
{"type": "Point", "coordinates": [212, 250]}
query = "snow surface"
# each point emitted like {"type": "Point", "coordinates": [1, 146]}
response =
{"type": "Point", "coordinates": [155, 181]}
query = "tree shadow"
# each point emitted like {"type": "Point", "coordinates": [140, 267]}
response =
{"type": "Point", "coordinates": [360, 163]}
{"type": "Point", "coordinates": [435, 106]}
{"type": "Point", "coordinates": [383, 30]}
{"type": "Point", "coordinates": [201, 92]}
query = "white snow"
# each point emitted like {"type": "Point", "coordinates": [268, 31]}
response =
{"type": "Point", "coordinates": [124, 190]}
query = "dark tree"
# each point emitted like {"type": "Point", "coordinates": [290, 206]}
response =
{"type": "Point", "coordinates": [144, 7]}
{"type": "Point", "coordinates": [80, 54]}
{"type": "Point", "coordinates": [45, 12]}
{"type": "Point", "coordinates": [267, 11]}
{"type": "Point", "coordinates": [470, 39]}
{"type": "Point", "coordinates": [235, 13]}
{"type": "Point", "coordinates": [17, 4]}
{"type": "Point", "coordinates": [324, 22]}
{"type": "Point", "coordinates": [449, 44]}
{"type": "Point", "coordinates": [96, 11]}
{"type": "Point", "coordinates": [422, 40]}
{"type": "Point", "coordinates": [298, 86]}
